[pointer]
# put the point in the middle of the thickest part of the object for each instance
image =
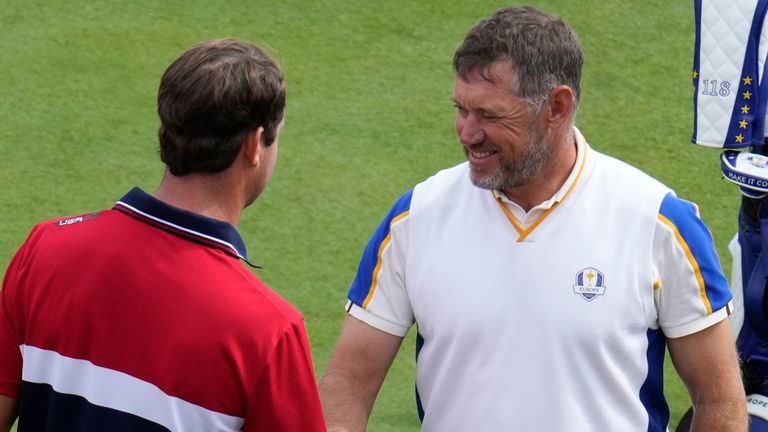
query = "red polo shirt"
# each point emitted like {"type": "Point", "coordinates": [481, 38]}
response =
{"type": "Point", "coordinates": [143, 318]}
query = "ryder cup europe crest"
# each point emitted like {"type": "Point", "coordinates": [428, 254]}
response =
{"type": "Point", "coordinates": [759, 161]}
{"type": "Point", "coordinates": [590, 283]}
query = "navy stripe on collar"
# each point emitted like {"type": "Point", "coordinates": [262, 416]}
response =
{"type": "Point", "coordinates": [209, 231]}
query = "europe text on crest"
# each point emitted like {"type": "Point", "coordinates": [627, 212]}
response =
{"type": "Point", "coordinates": [590, 283]}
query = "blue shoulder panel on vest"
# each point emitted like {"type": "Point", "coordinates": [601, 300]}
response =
{"type": "Point", "coordinates": [370, 259]}
{"type": "Point", "coordinates": [683, 216]}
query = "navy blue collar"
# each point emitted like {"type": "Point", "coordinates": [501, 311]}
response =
{"type": "Point", "coordinates": [202, 229]}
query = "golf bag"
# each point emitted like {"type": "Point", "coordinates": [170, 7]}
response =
{"type": "Point", "coordinates": [729, 113]}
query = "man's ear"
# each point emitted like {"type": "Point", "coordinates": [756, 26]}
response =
{"type": "Point", "coordinates": [561, 104]}
{"type": "Point", "coordinates": [253, 146]}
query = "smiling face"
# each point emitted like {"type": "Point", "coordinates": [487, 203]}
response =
{"type": "Point", "coordinates": [505, 143]}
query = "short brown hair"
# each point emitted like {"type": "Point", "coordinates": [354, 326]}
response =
{"type": "Point", "coordinates": [543, 51]}
{"type": "Point", "coordinates": [211, 98]}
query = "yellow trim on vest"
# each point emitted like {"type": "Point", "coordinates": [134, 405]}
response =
{"type": "Point", "coordinates": [524, 232]}
{"type": "Point", "coordinates": [508, 213]}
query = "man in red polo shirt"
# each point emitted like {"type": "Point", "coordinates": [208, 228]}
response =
{"type": "Point", "coordinates": [142, 317]}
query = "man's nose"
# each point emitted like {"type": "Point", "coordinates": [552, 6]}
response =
{"type": "Point", "coordinates": [469, 130]}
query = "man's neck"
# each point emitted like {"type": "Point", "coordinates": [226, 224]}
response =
{"type": "Point", "coordinates": [207, 195]}
{"type": "Point", "coordinates": [550, 178]}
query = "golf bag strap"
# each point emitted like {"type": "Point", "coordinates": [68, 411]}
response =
{"type": "Point", "coordinates": [753, 242]}
{"type": "Point", "coordinates": [754, 291]}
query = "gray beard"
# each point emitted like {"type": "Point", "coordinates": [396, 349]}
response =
{"type": "Point", "coordinates": [517, 172]}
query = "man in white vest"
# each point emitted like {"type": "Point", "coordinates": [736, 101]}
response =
{"type": "Point", "coordinates": [545, 279]}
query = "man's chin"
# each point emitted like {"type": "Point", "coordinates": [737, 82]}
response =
{"type": "Point", "coordinates": [486, 181]}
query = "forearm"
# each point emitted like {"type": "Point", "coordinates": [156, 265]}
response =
{"type": "Point", "coordinates": [346, 405]}
{"type": "Point", "coordinates": [8, 411]}
{"type": "Point", "coordinates": [354, 375]}
{"type": "Point", "coordinates": [708, 365]}
{"type": "Point", "coordinates": [725, 416]}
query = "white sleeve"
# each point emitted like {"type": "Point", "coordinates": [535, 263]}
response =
{"type": "Point", "coordinates": [691, 292]}
{"type": "Point", "coordinates": [378, 295]}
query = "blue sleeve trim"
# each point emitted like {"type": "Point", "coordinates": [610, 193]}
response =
{"type": "Point", "coordinates": [364, 277]}
{"type": "Point", "coordinates": [682, 214]}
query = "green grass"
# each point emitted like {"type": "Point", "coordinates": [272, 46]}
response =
{"type": "Point", "coordinates": [369, 115]}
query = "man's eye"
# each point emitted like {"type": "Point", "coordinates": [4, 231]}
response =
{"type": "Point", "coordinates": [489, 116]}
{"type": "Point", "coordinates": [462, 111]}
